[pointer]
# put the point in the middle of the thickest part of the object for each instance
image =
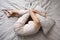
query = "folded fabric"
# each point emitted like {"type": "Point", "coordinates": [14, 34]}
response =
{"type": "Point", "coordinates": [46, 23]}
{"type": "Point", "coordinates": [40, 9]}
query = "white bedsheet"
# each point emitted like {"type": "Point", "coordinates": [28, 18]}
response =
{"type": "Point", "coordinates": [6, 29]}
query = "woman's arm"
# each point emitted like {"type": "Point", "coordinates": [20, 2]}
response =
{"type": "Point", "coordinates": [35, 19]}
{"type": "Point", "coordinates": [12, 12]}
{"type": "Point", "coordinates": [40, 13]}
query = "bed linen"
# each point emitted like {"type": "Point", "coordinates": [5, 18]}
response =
{"type": "Point", "coordinates": [6, 29]}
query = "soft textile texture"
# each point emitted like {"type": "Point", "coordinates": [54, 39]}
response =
{"type": "Point", "coordinates": [23, 29]}
{"type": "Point", "coordinates": [46, 23]}
{"type": "Point", "coordinates": [37, 6]}
{"type": "Point", "coordinates": [7, 33]}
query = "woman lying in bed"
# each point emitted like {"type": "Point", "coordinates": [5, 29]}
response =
{"type": "Point", "coordinates": [32, 27]}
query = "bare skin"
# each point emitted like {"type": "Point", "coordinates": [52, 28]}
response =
{"type": "Point", "coordinates": [35, 19]}
{"type": "Point", "coordinates": [40, 13]}
{"type": "Point", "coordinates": [32, 14]}
{"type": "Point", "coordinates": [12, 12]}
{"type": "Point", "coordinates": [18, 24]}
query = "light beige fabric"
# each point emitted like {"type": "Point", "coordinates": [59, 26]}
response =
{"type": "Point", "coordinates": [23, 29]}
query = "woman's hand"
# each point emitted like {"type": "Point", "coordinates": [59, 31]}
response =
{"type": "Point", "coordinates": [40, 13]}
{"type": "Point", "coordinates": [11, 12]}
{"type": "Point", "coordinates": [31, 10]}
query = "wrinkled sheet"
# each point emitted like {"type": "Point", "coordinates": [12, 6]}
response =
{"type": "Point", "coordinates": [6, 29]}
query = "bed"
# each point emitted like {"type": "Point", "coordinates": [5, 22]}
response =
{"type": "Point", "coordinates": [6, 29]}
